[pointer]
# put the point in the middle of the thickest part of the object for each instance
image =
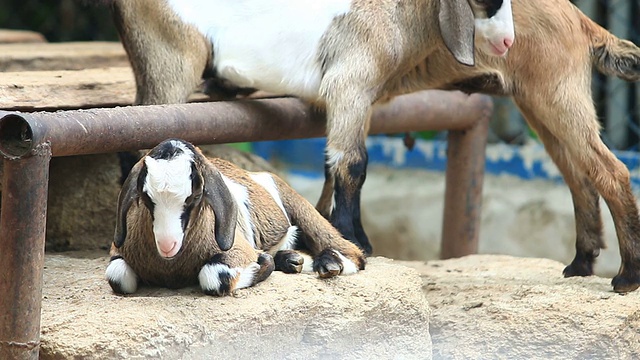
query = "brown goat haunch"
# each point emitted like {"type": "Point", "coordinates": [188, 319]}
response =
{"type": "Point", "coordinates": [184, 219]}
{"type": "Point", "coordinates": [338, 54]}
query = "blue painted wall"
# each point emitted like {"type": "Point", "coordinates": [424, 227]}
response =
{"type": "Point", "coordinates": [527, 162]}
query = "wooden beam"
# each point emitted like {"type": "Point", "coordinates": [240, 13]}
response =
{"type": "Point", "coordinates": [61, 56]}
{"type": "Point", "coordinates": [20, 36]}
{"type": "Point", "coordinates": [41, 90]}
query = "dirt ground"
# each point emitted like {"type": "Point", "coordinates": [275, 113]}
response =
{"type": "Point", "coordinates": [504, 307]}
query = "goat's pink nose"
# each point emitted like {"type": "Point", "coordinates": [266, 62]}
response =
{"type": "Point", "coordinates": [167, 246]}
{"type": "Point", "coordinates": [508, 42]}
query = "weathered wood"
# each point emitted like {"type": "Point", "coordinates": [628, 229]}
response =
{"type": "Point", "coordinates": [61, 56]}
{"type": "Point", "coordinates": [33, 90]}
{"type": "Point", "coordinates": [76, 89]}
{"type": "Point", "coordinates": [20, 36]}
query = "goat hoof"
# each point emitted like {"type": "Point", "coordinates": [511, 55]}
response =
{"type": "Point", "coordinates": [582, 264]}
{"type": "Point", "coordinates": [626, 281]}
{"type": "Point", "coordinates": [267, 265]}
{"type": "Point", "coordinates": [578, 269]}
{"type": "Point", "coordinates": [328, 264]}
{"type": "Point", "coordinates": [289, 261]}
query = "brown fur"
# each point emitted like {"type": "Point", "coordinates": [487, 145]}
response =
{"type": "Point", "coordinates": [269, 223]}
{"type": "Point", "coordinates": [548, 73]}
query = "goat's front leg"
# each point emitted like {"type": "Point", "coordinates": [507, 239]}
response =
{"type": "Point", "coordinates": [348, 116]}
{"type": "Point", "coordinates": [121, 277]}
{"type": "Point", "coordinates": [235, 269]}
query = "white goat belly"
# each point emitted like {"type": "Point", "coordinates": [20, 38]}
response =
{"type": "Point", "coordinates": [271, 45]}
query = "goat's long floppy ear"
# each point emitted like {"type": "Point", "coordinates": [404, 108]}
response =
{"type": "Point", "coordinates": [218, 196]}
{"type": "Point", "coordinates": [128, 193]}
{"type": "Point", "coordinates": [457, 25]}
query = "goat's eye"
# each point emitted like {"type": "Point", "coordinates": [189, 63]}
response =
{"type": "Point", "coordinates": [195, 197]}
{"type": "Point", "coordinates": [482, 2]}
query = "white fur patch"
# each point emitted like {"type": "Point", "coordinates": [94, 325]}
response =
{"type": "Point", "coordinates": [209, 276]}
{"type": "Point", "coordinates": [118, 271]}
{"type": "Point", "coordinates": [290, 239]}
{"type": "Point", "coordinates": [168, 184]}
{"type": "Point", "coordinates": [266, 44]}
{"type": "Point", "coordinates": [241, 196]}
{"type": "Point", "coordinates": [247, 276]}
{"type": "Point", "coordinates": [348, 267]}
{"type": "Point", "coordinates": [333, 157]}
{"type": "Point", "coordinates": [266, 181]}
{"type": "Point", "coordinates": [307, 266]}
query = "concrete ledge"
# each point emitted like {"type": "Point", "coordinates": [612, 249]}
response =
{"type": "Point", "coordinates": [380, 313]}
{"type": "Point", "coordinates": [504, 307]}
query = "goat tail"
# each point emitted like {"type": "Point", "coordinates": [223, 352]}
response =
{"type": "Point", "coordinates": [611, 55]}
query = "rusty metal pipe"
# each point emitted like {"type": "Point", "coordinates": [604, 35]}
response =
{"type": "Point", "coordinates": [463, 192]}
{"type": "Point", "coordinates": [28, 140]}
{"type": "Point", "coordinates": [22, 232]}
{"type": "Point", "coordinates": [128, 128]}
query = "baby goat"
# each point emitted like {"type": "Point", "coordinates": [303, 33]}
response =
{"type": "Point", "coordinates": [183, 218]}
{"type": "Point", "coordinates": [338, 54]}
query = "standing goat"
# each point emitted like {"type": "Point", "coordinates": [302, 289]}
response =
{"type": "Point", "coordinates": [183, 218]}
{"type": "Point", "coordinates": [367, 51]}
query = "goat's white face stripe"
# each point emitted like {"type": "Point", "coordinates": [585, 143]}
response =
{"type": "Point", "coordinates": [168, 184]}
{"type": "Point", "coordinates": [245, 33]}
{"type": "Point", "coordinates": [496, 30]}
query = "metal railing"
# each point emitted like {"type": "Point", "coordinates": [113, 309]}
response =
{"type": "Point", "coordinates": [29, 140]}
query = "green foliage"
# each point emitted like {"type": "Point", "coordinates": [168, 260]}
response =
{"type": "Point", "coordinates": [59, 20]}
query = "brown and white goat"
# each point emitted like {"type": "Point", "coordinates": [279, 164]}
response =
{"type": "Point", "coordinates": [377, 49]}
{"type": "Point", "coordinates": [338, 54]}
{"type": "Point", "coordinates": [185, 219]}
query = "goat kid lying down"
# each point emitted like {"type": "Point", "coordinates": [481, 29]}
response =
{"type": "Point", "coordinates": [184, 219]}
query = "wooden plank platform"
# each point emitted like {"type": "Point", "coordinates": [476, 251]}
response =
{"type": "Point", "coordinates": [66, 89]}
{"type": "Point", "coordinates": [61, 56]}
{"type": "Point", "coordinates": [20, 36]}
{"type": "Point", "coordinates": [76, 89]}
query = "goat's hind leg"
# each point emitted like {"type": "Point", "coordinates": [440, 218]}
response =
{"type": "Point", "coordinates": [572, 121]}
{"type": "Point", "coordinates": [289, 261]}
{"type": "Point", "coordinates": [586, 205]}
{"type": "Point", "coordinates": [332, 254]}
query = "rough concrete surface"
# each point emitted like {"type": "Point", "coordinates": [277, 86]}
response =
{"type": "Point", "coordinates": [380, 313]}
{"type": "Point", "coordinates": [503, 307]}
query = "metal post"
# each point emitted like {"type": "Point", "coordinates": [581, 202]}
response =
{"type": "Point", "coordinates": [463, 193]}
{"type": "Point", "coordinates": [22, 233]}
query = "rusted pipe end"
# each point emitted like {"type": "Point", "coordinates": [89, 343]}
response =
{"type": "Point", "coordinates": [16, 136]}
